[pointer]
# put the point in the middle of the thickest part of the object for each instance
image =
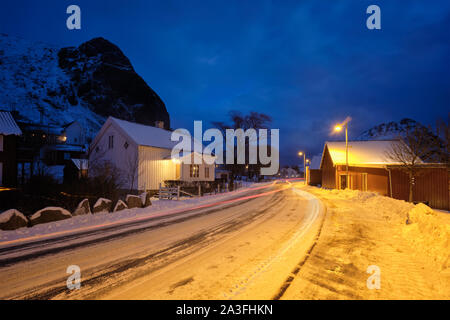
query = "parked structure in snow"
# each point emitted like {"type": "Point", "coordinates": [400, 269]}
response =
{"type": "Point", "coordinates": [370, 169]}
{"type": "Point", "coordinates": [9, 131]}
{"type": "Point", "coordinates": [142, 154]}
{"type": "Point", "coordinates": [314, 174]}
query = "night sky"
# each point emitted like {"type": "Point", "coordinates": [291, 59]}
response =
{"type": "Point", "coordinates": [308, 64]}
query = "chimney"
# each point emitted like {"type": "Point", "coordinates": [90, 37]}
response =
{"type": "Point", "coordinates": [159, 124]}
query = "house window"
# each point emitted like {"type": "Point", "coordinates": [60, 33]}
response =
{"type": "Point", "coordinates": [97, 149]}
{"type": "Point", "coordinates": [111, 142]}
{"type": "Point", "coordinates": [125, 145]}
{"type": "Point", "coordinates": [194, 172]}
{"type": "Point", "coordinates": [206, 172]}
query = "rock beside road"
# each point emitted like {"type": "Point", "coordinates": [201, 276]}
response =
{"type": "Point", "coordinates": [102, 205]}
{"type": "Point", "coordinates": [82, 209]}
{"type": "Point", "coordinates": [49, 214]}
{"type": "Point", "coordinates": [12, 220]}
{"type": "Point", "coordinates": [133, 201]}
{"type": "Point", "coordinates": [120, 205]}
{"type": "Point", "coordinates": [145, 198]}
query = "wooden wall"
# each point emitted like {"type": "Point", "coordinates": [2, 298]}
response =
{"type": "Point", "coordinates": [328, 171]}
{"type": "Point", "coordinates": [315, 177]}
{"type": "Point", "coordinates": [432, 186]}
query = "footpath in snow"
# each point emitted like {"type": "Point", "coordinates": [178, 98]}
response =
{"type": "Point", "coordinates": [408, 243]}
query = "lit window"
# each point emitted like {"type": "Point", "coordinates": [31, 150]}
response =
{"type": "Point", "coordinates": [194, 172]}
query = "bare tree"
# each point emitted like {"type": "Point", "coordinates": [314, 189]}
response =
{"type": "Point", "coordinates": [132, 169]}
{"type": "Point", "coordinates": [253, 120]}
{"type": "Point", "coordinates": [443, 132]}
{"type": "Point", "coordinates": [411, 151]}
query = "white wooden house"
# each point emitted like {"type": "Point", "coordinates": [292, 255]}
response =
{"type": "Point", "coordinates": [143, 155]}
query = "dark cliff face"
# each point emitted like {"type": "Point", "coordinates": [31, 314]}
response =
{"type": "Point", "coordinates": [103, 78]}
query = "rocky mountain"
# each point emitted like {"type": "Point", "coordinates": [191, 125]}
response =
{"type": "Point", "coordinates": [86, 83]}
{"type": "Point", "coordinates": [390, 130]}
{"type": "Point", "coordinates": [434, 144]}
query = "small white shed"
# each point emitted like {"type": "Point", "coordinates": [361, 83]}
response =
{"type": "Point", "coordinates": [142, 154]}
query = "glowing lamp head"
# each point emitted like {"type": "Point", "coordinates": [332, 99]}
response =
{"type": "Point", "coordinates": [300, 153]}
{"type": "Point", "coordinates": [338, 128]}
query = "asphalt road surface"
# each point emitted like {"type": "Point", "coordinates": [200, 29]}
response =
{"type": "Point", "coordinates": [247, 248]}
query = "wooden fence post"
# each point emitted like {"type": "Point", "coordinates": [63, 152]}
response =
{"type": "Point", "coordinates": [178, 193]}
{"type": "Point", "coordinates": [159, 194]}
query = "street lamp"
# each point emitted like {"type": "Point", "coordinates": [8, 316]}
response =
{"type": "Point", "coordinates": [338, 128]}
{"type": "Point", "coordinates": [301, 153]}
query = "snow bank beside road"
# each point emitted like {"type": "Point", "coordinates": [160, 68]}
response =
{"type": "Point", "coordinates": [427, 230]}
{"type": "Point", "coordinates": [102, 219]}
{"type": "Point", "coordinates": [429, 233]}
{"type": "Point", "coordinates": [363, 229]}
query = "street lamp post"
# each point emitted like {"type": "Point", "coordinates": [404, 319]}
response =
{"type": "Point", "coordinates": [301, 153]}
{"type": "Point", "coordinates": [339, 128]}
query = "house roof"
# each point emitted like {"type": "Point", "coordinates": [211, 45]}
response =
{"type": "Point", "coordinates": [361, 153]}
{"type": "Point", "coordinates": [8, 125]}
{"type": "Point", "coordinates": [315, 162]}
{"type": "Point", "coordinates": [145, 135]}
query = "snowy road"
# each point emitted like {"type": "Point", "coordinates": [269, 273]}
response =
{"type": "Point", "coordinates": [244, 248]}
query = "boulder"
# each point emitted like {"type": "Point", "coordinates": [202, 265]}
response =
{"type": "Point", "coordinates": [49, 214]}
{"type": "Point", "coordinates": [12, 219]}
{"type": "Point", "coordinates": [145, 198]}
{"type": "Point", "coordinates": [120, 205]}
{"type": "Point", "coordinates": [133, 201]}
{"type": "Point", "coordinates": [83, 208]}
{"type": "Point", "coordinates": [102, 205]}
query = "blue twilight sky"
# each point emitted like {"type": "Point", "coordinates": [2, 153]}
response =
{"type": "Point", "coordinates": [307, 64]}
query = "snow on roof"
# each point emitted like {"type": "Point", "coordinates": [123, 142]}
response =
{"type": "Point", "coordinates": [146, 135]}
{"type": "Point", "coordinates": [8, 125]}
{"type": "Point", "coordinates": [370, 153]}
{"type": "Point", "coordinates": [315, 162]}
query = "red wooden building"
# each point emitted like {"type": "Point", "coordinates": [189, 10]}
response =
{"type": "Point", "coordinates": [371, 170]}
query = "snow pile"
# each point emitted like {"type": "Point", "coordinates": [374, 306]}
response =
{"type": "Point", "coordinates": [346, 194]}
{"type": "Point", "coordinates": [425, 230]}
{"type": "Point", "coordinates": [8, 214]}
{"type": "Point", "coordinates": [428, 233]}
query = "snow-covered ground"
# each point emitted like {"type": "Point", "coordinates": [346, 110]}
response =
{"type": "Point", "coordinates": [101, 220]}
{"type": "Point", "coordinates": [363, 229]}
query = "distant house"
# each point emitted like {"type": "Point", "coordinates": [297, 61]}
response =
{"type": "Point", "coordinates": [289, 173]}
{"type": "Point", "coordinates": [9, 130]}
{"type": "Point", "coordinates": [314, 174]}
{"type": "Point", "coordinates": [221, 173]}
{"type": "Point", "coordinates": [371, 170]}
{"type": "Point", "coordinates": [51, 145]}
{"type": "Point", "coordinates": [142, 154]}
